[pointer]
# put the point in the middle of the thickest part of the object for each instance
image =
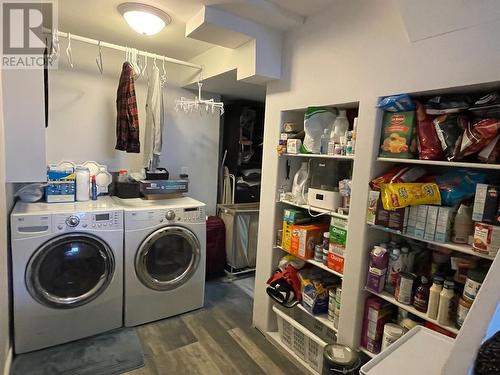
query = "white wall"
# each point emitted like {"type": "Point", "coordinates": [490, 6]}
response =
{"type": "Point", "coordinates": [83, 117]}
{"type": "Point", "coordinates": [5, 342]}
{"type": "Point", "coordinates": [356, 51]}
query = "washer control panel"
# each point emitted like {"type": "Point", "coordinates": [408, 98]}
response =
{"type": "Point", "coordinates": [193, 215]}
{"type": "Point", "coordinates": [105, 220]}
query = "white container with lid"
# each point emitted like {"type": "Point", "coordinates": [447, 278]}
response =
{"type": "Point", "coordinates": [82, 184]}
{"type": "Point", "coordinates": [392, 332]}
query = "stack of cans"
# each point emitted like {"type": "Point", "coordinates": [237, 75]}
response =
{"type": "Point", "coordinates": [334, 296]}
{"type": "Point", "coordinates": [318, 253]}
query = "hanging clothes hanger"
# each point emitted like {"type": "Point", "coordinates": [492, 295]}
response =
{"type": "Point", "coordinates": [163, 78]}
{"type": "Point", "coordinates": [55, 50]}
{"type": "Point", "coordinates": [69, 54]}
{"type": "Point", "coordinates": [98, 59]}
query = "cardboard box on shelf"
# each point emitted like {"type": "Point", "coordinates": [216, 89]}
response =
{"type": "Point", "coordinates": [60, 186]}
{"type": "Point", "coordinates": [305, 238]}
{"type": "Point", "coordinates": [398, 219]}
{"type": "Point", "coordinates": [421, 221]}
{"type": "Point", "coordinates": [412, 220]}
{"type": "Point", "coordinates": [377, 313]}
{"type": "Point", "coordinates": [336, 262]}
{"type": "Point", "coordinates": [486, 239]}
{"type": "Point", "coordinates": [286, 236]}
{"type": "Point", "coordinates": [430, 225]}
{"type": "Point", "coordinates": [338, 234]}
{"type": "Point", "coordinates": [486, 204]}
{"type": "Point", "coordinates": [443, 224]}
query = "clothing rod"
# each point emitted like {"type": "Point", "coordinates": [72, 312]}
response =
{"type": "Point", "coordinates": [117, 47]}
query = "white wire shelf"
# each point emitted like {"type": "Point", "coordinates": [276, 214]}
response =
{"type": "Point", "coordinates": [315, 209]}
{"type": "Point", "coordinates": [321, 156]}
{"type": "Point", "coordinates": [323, 318]}
{"type": "Point", "coordinates": [444, 163]}
{"type": "Point", "coordinates": [390, 298]}
{"type": "Point", "coordinates": [461, 248]}
{"type": "Point", "coordinates": [315, 263]}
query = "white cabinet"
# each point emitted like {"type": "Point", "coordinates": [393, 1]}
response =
{"type": "Point", "coordinates": [24, 121]}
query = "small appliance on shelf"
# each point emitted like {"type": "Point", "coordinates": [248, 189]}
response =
{"type": "Point", "coordinates": [325, 177]}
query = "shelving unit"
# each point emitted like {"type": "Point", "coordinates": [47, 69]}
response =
{"type": "Point", "coordinates": [320, 318]}
{"type": "Point", "coordinates": [315, 209]}
{"type": "Point", "coordinates": [368, 353]}
{"type": "Point", "coordinates": [321, 156]}
{"type": "Point", "coordinates": [465, 249]}
{"type": "Point", "coordinates": [390, 298]}
{"type": "Point", "coordinates": [442, 163]}
{"type": "Point", "coordinates": [317, 264]}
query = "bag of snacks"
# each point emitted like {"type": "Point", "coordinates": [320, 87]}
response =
{"type": "Point", "coordinates": [458, 185]}
{"type": "Point", "coordinates": [398, 135]}
{"type": "Point", "coordinates": [450, 129]}
{"type": "Point", "coordinates": [396, 103]}
{"type": "Point", "coordinates": [429, 146]}
{"type": "Point", "coordinates": [477, 135]}
{"type": "Point", "coordinates": [491, 153]}
{"type": "Point", "coordinates": [401, 195]}
{"type": "Point", "coordinates": [398, 174]}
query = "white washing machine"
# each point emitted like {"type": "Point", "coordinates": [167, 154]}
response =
{"type": "Point", "coordinates": [165, 248]}
{"type": "Point", "coordinates": [67, 270]}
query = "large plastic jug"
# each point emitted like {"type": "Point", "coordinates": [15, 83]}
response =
{"type": "Point", "coordinates": [340, 126]}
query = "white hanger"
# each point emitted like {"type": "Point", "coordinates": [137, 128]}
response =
{"type": "Point", "coordinates": [98, 59]}
{"type": "Point", "coordinates": [68, 52]}
{"type": "Point", "coordinates": [54, 53]}
{"type": "Point", "coordinates": [163, 78]}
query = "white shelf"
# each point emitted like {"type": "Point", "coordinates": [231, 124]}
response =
{"type": "Point", "coordinates": [320, 318]}
{"type": "Point", "coordinates": [390, 298]}
{"type": "Point", "coordinates": [314, 209]}
{"type": "Point", "coordinates": [445, 163]}
{"type": "Point", "coordinates": [315, 263]}
{"type": "Point", "coordinates": [368, 353]}
{"type": "Point", "coordinates": [274, 338]}
{"type": "Point", "coordinates": [321, 156]}
{"type": "Point", "coordinates": [465, 249]}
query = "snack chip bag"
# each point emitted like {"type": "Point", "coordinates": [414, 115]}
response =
{"type": "Point", "coordinates": [401, 195]}
{"type": "Point", "coordinates": [398, 135]}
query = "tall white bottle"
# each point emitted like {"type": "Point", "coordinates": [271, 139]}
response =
{"type": "Point", "coordinates": [340, 126]}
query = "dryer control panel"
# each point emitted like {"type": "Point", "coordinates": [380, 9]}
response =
{"type": "Point", "coordinates": [105, 220]}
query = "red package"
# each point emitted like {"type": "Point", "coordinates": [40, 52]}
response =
{"type": "Point", "coordinates": [491, 153]}
{"type": "Point", "coordinates": [398, 174]}
{"type": "Point", "coordinates": [429, 146]}
{"type": "Point", "coordinates": [477, 135]}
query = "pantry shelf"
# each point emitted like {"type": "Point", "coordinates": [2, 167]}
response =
{"type": "Point", "coordinates": [321, 156]}
{"type": "Point", "coordinates": [274, 338]}
{"type": "Point", "coordinates": [320, 318]}
{"type": "Point", "coordinates": [390, 298]}
{"type": "Point", "coordinates": [465, 249]}
{"type": "Point", "coordinates": [368, 353]}
{"type": "Point", "coordinates": [444, 163]}
{"type": "Point", "coordinates": [317, 264]}
{"type": "Point", "coordinates": [314, 209]}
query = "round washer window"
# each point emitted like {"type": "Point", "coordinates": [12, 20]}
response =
{"type": "Point", "coordinates": [70, 270]}
{"type": "Point", "coordinates": [167, 258]}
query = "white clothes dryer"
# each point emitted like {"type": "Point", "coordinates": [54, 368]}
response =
{"type": "Point", "coordinates": [165, 246]}
{"type": "Point", "coordinates": [67, 271]}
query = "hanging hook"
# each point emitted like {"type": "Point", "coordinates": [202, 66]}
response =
{"type": "Point", "coordinates": [98, 59]}
{"type": "Point", "coordinates": [69, 54]}
{"type": "Point", "coordinates": [163, 67]}
{"type": "Point", "coordinates": [154, 62]}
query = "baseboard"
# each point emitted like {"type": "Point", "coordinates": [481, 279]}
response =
{"type": "Point", "coordinates": [8, 361]}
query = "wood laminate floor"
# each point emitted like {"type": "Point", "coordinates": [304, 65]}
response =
{"type": "Point", "coordinates": [217, 339]}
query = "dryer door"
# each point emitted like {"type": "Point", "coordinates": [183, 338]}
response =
{"type": "Point", "coordinates": [70, 270]}
{"type": "Point", "coordinates": [167, 258]}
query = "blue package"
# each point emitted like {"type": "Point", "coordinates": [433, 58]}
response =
{"type": "Point", "coordinates": [458, 185]}
{"type": "Point", "coordinates": [396, 103]}
{"type": "Point", "coordinates": [60, 186]}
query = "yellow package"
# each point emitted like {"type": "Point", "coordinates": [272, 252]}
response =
{"type": "Point", "coordinates": [400, 195]}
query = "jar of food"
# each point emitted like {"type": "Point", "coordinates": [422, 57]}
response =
{"type": "Point", "coordinates": [404, 288]}
{"type": "Point", "coordinates": [340, 359]}
{"type": "Point", "coordinates": [463, 308]}
{"type": "Point", "coordinates": [392, 332]}
{"type": "Point", "coordinates": [475, 278]}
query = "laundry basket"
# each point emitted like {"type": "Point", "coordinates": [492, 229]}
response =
{"type": "Point", "coordinates": [306, 345]}
{"type": "Point", "coordinates": [242, 224]}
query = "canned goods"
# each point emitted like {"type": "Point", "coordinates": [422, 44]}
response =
{"type": "Point", "coordinates": [404, 288]}
{"type": "Point", "coordinates": [338, 294]}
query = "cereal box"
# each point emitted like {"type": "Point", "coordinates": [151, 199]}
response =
{"type": "Point", "coordinates": [398, 138]}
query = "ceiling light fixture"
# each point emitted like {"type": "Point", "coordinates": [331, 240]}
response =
{"type": "Point", "coordinates": [144, 19]}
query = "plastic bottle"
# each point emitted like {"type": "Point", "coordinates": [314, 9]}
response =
{"type": "Point", "coordinates": [421, 299]}
{"type": "Point", "coordinates": [301, 183]}
{"type": "Point", "coordinates": [395, 266]}
{"type": "Point", "coordinates": [434, 295]}
{"type": "Point", "coordinates": [94, 189]}
{"type": "Point", "coordinates": [354, 134]}
{"type": "Point", "coordinates": [82, 184]}
{"type": "Point", "coordinates": [463, 226]}
{"type": "Point", "coordinates": [446, 303]}
{"type": "Point", "coordinates": [404, 258]}
{"type": "Point", "coordinates": [340, 126]}
{"type": "Point", "coordinates": [325, 138]}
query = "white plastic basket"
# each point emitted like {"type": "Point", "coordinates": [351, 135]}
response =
{"type": "Point", "coordinates": [304, 344]}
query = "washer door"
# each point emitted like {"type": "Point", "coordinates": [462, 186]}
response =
{"type": "Point", "coordinates": [167, 258]}
{"type": "Point", "coordinates": [70, 270]}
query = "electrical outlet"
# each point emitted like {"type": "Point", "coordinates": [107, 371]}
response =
{"type": "Point", "coordinates": [185, 170]}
